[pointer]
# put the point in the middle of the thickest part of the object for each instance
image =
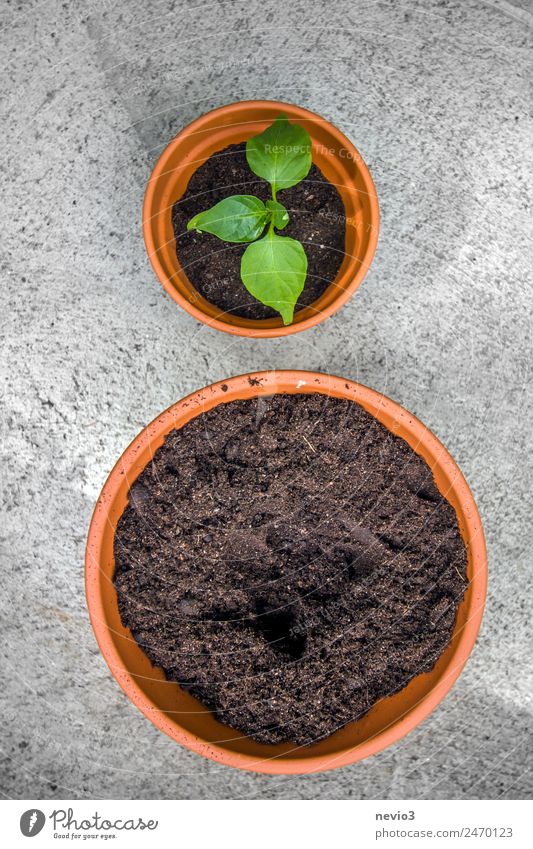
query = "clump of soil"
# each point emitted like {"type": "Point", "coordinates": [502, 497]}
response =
{"type": "Point", "coordinates": [316, 218]}
{"type": "Point", "coordinates": [289, 562]}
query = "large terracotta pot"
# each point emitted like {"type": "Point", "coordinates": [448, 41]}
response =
{"type": "Point", "coordinates": [180, 715]}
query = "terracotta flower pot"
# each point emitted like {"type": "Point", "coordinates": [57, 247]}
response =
{"type": "Point", "coordinates": [333, 153]}
{"type": "Point", "coordinates": [184, 718]}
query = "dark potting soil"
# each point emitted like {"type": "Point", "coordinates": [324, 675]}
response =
{"type": "Point", "coordinates": [289, 562]}
{"type": "Point", "coordinates": [316, 218]}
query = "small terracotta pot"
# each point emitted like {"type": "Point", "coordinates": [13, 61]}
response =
{"type": "Point", "coordinates": [184, 718]}
{"type": "Point", "coordinates": [333, 153]}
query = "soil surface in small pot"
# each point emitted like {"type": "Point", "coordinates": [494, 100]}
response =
{"type": "Point", "coordinates": [289, 562]}
{"type": "Point", "coordinates": [316, 218]}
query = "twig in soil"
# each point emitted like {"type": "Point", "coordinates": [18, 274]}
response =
{"type": "Point", "coordinates": [462, 577]}
{"type": "Point", "coordinates": [313, 449]}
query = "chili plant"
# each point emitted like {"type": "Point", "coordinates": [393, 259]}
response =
{"type": "Point", "coordinates": [274, 267]}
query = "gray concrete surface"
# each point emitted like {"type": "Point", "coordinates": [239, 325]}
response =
{"type": "Point", "coordinates": [435, 95]}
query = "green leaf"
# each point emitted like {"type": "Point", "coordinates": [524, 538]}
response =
{"type": "Point", "coordinates": [281, 154]}
{"type": "Point", "coordinates": [273, 271]}
{"type": "Point", "coordinates": [280, 216]}
{"type": "Point", "coordinates": [239, 218]}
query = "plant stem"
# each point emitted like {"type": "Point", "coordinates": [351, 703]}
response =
{"type": "Point", "coordinates": [271, 226]}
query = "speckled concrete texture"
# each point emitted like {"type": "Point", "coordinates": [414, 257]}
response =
{"type": "Point", "coordinates": [435, 95]}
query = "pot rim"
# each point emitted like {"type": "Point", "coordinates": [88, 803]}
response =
{"type": "Point", "coordinates": [269, 383]}
{"type": "Point", "coordinates": [252, 328]}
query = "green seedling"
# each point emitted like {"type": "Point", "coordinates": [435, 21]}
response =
{"type": "Point", "coordinates": [274, 267]}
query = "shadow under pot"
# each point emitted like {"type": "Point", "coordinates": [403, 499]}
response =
{"type": "Point", "coordinates": [261, 219]}
{"type": "Point", "coordinates": [286, 572]}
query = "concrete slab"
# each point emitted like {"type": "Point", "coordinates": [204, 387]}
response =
{"type": "Point", "coordinates": [434, 95]}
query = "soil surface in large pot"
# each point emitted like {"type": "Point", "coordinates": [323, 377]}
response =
{"type": "Point", "coordinates": [289, 561]}
{"type": "Point", "coordinates": [316, 219]}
